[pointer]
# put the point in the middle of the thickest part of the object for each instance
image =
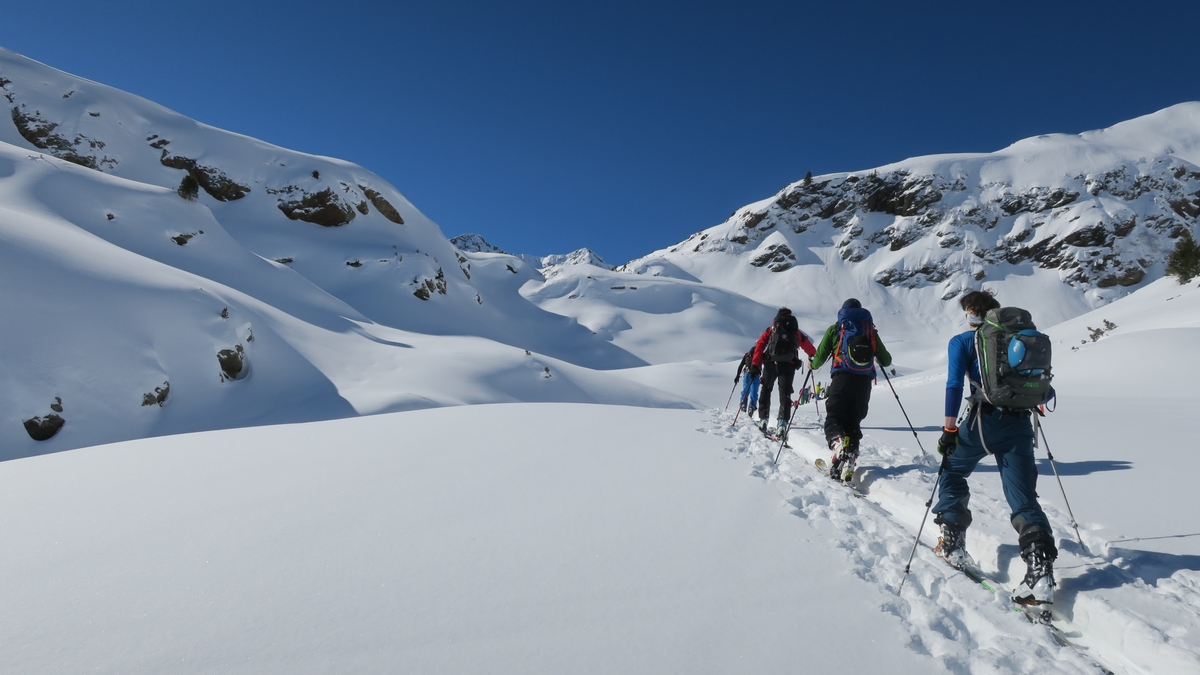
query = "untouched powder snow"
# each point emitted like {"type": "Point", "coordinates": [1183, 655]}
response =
{"type": "Point", "coordinates": [506, 539]}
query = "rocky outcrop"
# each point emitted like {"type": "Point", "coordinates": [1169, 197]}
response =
{"type": "Point", "coordinates": [382, 205]}
{"type": "Point", "coordinates": [41, 133]}
{"type": "Point", "coordinates": [158, 396]}
{"type": "Point", "coordinates": [1099, 230]}
{"type": "Point", "coordinates": [211, 179]}
{"type": "Point", "coordinates": [234, 365]}
{"type": "Point", "coordinates": [427, 287]}
{"type": "Point", "coordinates": [324, 208]}
{"type": "Point", "coordinates": [43, 428]}
{"type": "Point", "coordinates": [776, 257]}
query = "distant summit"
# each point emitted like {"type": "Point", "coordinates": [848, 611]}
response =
{"type": "Point", "coordinates": [475, 243]}
{"type": "Point", "coordinates": [581, 256]}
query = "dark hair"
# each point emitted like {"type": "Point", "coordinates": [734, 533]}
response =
{"type": "Point", "coordinates": [852, 303]}
{"type": "Point", "coordinates": [979, 302]}
{"type": "Point", "coordinates": [783, 311]}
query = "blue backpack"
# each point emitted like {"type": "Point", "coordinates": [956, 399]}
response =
{"type": "Point", "coordinates": [855, 349]}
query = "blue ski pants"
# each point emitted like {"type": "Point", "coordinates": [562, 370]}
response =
{"type": "Point", "coordinates": [749, 391]}
{"type": "Point", "coordinates": [1009, 437]}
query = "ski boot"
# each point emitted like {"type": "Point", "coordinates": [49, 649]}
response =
{"type": "Point", "coordinates": [952, 546]}
{"type": "Point", "coordinates": [762, 425]}
{"type": "Point", "coordinates": [781, 426]}
{"type": "Point", "coordinates": [1036, 592]}
{"type": "Point", "coordinates": [841, 466]}
{"type": "Point", "coordinates": [849, 463]}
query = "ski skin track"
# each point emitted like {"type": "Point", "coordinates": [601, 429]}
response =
{"type": "Point", "coordinates": [978, 577]}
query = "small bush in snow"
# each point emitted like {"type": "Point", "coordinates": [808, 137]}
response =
{"type": "Point", "coordinates": [1184, 261]}
{"type": "Point", "coordinates": [189, 189]}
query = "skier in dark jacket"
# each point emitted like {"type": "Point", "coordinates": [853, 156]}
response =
{"type": "Point", "coordinates": [1008, 435]}
{"type": "Point", "coordinates": [749, 374]}
{"type": "Point", "coordinates": [851, 380]}
{"type": "Point", "coordinates": [779, 356]}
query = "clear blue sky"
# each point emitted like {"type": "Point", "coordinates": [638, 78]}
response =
{"type": "Point", "coordinates": [623, 126]}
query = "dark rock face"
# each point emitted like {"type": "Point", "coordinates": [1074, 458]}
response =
{"type": "Point", "coordinates": [44, 428]}
{"type": "Point", "coordinates": [1087, 227]}
{"type": "Point", "coordinates": [40, 133]}
{"type": "Point", "coordinates": [324, 208]}
{"type": "Point", "coordinates": [233, 362]}
{"type": "Point", "coordinates": [777, 258]}
{"type": "Point", "coordinates": [437, 284]}
{"type": "Point", "coordinates": [211, 180]}
{"type": "Point", "coordinates": [384, 206]}
{"type": "Point", "coordinates": [158, 396]}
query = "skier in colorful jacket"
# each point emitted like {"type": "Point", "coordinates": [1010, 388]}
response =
{"type": "Point", "coordinates": [849, 392]}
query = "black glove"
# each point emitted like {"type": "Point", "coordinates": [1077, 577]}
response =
{"type": "Point", "coordinates": [737, 378]}
{"type": "Point", "coordinates": [948, 442]}
{"type": "Point", "coordinates": [755, 371]}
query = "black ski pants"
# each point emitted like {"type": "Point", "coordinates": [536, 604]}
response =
{"type": "Point", "coordinates": [785, 375]}
{"type": "Point", "coordinates": [846, 407]}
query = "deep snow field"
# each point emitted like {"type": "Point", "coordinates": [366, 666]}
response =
{"type": "Point", "coordinates": [561, 537]}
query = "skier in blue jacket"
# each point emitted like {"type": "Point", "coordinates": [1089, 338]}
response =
{"type": "Point", "coordinates": [1008, 435]}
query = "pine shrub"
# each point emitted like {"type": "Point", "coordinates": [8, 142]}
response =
{"type": "Point", "coordinates": [1184, 261]}
{"type": "Point", "coordinates": [189, 189]}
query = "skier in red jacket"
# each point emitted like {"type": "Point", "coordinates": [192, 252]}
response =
{"type": "Point", "coordinates": [777, 353]}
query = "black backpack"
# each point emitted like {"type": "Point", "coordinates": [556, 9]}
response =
{"type": "Point", "coordinates": [1014, 360]}
{"type": "Point", "coordinates": [783, 346]}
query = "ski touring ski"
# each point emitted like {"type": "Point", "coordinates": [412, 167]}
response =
{"type": "Point", "coordinates": [1035, 614]}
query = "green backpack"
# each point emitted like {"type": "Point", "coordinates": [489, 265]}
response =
{"type": "Point", "coordinates": [1014, 360]}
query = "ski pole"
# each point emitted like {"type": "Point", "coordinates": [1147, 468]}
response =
{"type": "Point", "coordinates": [791, 416]}
{"type": "Point", "coordinates": [910, 425]}
{"type": "Point", "coordinates": [1038, 425]}
{"type": "Point", "coordinates": [928, 506]}
{"type": "Point", "coordinates": [736, 382]}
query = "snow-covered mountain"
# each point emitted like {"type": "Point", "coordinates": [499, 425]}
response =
{"type": "Point", "coordinates": [163, 276]}
{"type": "Point", "coordinates": [1062, 223]}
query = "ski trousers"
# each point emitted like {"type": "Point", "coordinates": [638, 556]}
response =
{"type": "Point", "coordinates": [749, 391]}
{"type": "Point", "coordinates": [774, 373]}
{"type": "Point", "coordinates": [849, 396]}
{"type": "Point", "coordinates": [1009, 437]}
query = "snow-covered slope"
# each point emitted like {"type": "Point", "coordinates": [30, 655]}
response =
{"type": "Point", "coordinates": [336, 225]}
{"type": "Point", "coordinates": [133, 311]}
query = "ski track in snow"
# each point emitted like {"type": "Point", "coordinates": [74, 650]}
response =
{"type": "Point", "coordinates": [950, 617]}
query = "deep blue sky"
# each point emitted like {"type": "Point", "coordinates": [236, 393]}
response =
{"type": "Point", "coordinates": [623, 126]}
